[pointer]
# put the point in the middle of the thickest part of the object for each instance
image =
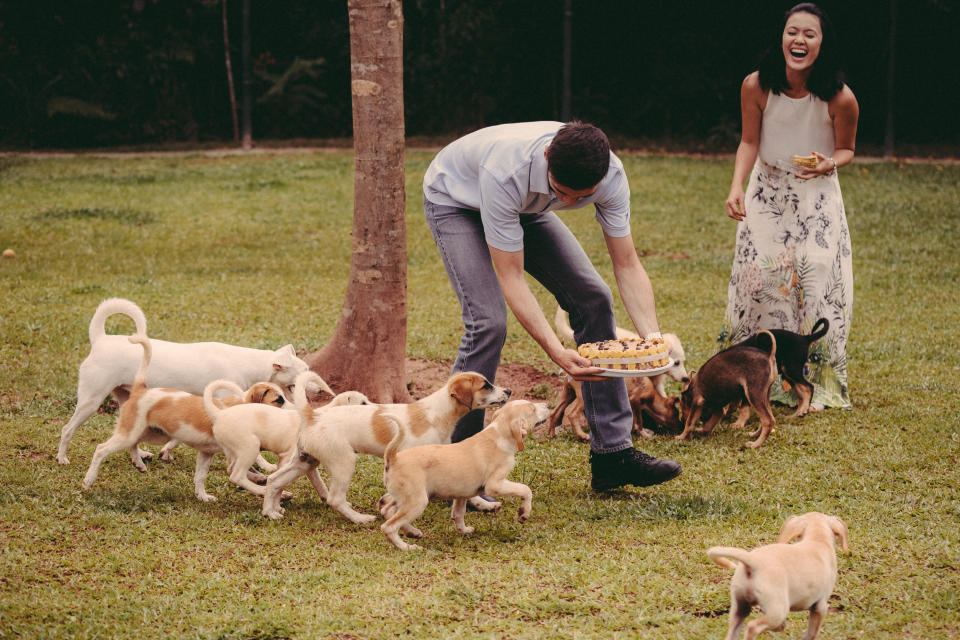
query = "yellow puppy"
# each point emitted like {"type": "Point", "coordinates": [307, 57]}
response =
{"type": "Point", "coordinates": [478, 464]}
{"type": "Point", "coordinates": [784, 577]}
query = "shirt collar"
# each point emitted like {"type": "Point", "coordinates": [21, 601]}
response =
{"type": "Point", "coordinates": [538, 172]}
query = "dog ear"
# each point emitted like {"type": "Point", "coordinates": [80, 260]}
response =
{"type": "Point", "coordinates": [519, 429]}
{"type": "Point", "coordinates": [461, 390]}
{"type": "Point", "coordinates": [689, 382]}
{"type": "Point", "coordinates": [839, 529]}
{"type": "Point", "coordinates": [792, 528]}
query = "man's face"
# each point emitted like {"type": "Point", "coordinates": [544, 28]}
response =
{"type": "Point", "coordinates": [567, 196]}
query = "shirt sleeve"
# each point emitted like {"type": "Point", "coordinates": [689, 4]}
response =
{"type": "Point", "coordinates": [499, 211]}
{"type": "Point", "coordinates": [613, 206]}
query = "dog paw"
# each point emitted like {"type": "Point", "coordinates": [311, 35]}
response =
{"type": "Point", "coordinates": [465, 529]}
{"type": "Point", "coordinates": [206, 497]}
{"type": "Point", "coordinates": [412, 532]}
{"type": "Point", "coordinates": [523, 516]}
{"type": "Point", "coordinates": [144, 454]}
{"type": "Point", "coordinates": [276, 514]}
{"type": "Point", "coordinates": [63, 459]}
{"type": "Point", "coordinates": [165, 456]}
{"type": "Point", "coordinates": [285, 495]}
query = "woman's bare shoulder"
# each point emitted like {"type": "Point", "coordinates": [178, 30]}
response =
{"type": "Point", "coordinates": [844, 101]}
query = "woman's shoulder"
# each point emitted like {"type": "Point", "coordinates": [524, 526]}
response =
{"type": "Point", "coordinates": [751, 90]}
{"type": "Point", "coordinates": [752, 82]}
{"type": "Point", "coordinates": [844, 101]}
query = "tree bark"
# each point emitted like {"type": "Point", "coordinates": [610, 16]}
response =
{"type": "Point", "coordinates": [233, 93]}
{"type": "Point", "coordinates": [367, 351]}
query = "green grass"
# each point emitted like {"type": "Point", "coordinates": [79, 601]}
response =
{"type": "Point", "coordinates": [254, 250]}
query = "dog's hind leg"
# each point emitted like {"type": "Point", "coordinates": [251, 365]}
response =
{"type": "Point", "coordinates": [401, 519]}
{"type": "Point", "coordinates": [88, 401]}
{"type": "Point", "coordinates": [341, 466]}
{"type": "Point", "coordinates": [738, 613]}
{"type": "Point", "coordinates": [112, 445]}
{"type": "Point", "coordinates": [743, 414]}
{"type": "Point", "coordinates": [243, 458]}
{"type": "Point", "coordinates": [456, 514]}
{"type": "Point", "coordinates": [817, 613]}
{"type": "Point", "coordinates": [804, 391]}
{"type": "Point", "coordinates": [284, 475]}
{"type": "Point", "coordinates": [200, 477]}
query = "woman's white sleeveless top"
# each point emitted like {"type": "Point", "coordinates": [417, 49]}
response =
{"type": "Point", "coordinates": [795, 126]}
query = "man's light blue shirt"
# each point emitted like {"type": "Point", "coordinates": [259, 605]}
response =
{"type": "Point", "coordinates": [501, 171]}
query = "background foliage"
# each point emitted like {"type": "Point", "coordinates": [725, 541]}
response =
{"type": "Point", "coordinates": [118, 72]}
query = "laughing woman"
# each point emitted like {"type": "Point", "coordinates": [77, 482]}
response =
{"type": "Point", "coordinates": [792, 263]}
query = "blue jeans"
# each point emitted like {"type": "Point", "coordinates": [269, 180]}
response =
{"type": "Point", "coordinates": [552, 255]}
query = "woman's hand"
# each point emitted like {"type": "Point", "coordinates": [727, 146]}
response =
{"type": "Point", "coordinates": [824, 167]}
{"type": "Point", "coordinates": [734, 204]}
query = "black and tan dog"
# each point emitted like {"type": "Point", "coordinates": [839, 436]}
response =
{"type": "Point", "coordinates": [793, 349]}
{"type": "Point", "coordinates": [738, 374]}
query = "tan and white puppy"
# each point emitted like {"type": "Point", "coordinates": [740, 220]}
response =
{"type": "Point", "coordinates": [336, 437]}
{"type": "Point", "coordinates": [677, 372]}
{"type": "Point", "coordinates": [112, 364]}
{"type": "Point", "coordinates": [242, 431]}
{"type": "Point", "coordinates": [157, 415]}
{"type": "Point", "coordinates": [478, 464]}
{"type": "Point", "coordinates": [784, 577]}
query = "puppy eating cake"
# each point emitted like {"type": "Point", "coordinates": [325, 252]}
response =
{"type": "Point", "coordinates": [633, 357]}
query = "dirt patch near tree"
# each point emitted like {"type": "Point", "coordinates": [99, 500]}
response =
{"type": "Point", "coordinates": [525, 381]}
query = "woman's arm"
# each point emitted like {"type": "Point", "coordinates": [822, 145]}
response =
{"type": "Point", "coordinates": [751, 114]}
{"type": "Point", "coordinates": [845, 112]}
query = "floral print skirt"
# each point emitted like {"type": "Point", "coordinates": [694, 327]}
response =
{"type": "Point", "coordinates": [793, 265]}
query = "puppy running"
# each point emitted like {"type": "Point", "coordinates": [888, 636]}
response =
{"type": "Point", "coordinates": [336, 437]}
{"type": "Point", "coordinates": [784, 577]}
{"type": "Point", "coordinates": [243, 431]}
{"type": "Point", "coordinates": [478, 464]}
{"type": "Point", "coordinates": [156, 416]}
{"type": "Point", "coordinates": [735, 375]}
{"type": "Point", "coordinates": [112, 364]}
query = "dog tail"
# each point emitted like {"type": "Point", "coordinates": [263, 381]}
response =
{"type": "Point", "coordinates": [390, 453]}
{"type": "Point", "coordinates": [300, 394]}
{"type": "Point", "coordinates": [140, 379]}
{"type": "Point", "coordinates": [773, 343]}
{"type": "Point", "coordinates": [723, 556]}
{"type": "Point", "coordinates": [210, 403]}
{"type": "Point", "coordinates": [108, 308]}
{"type": "Point", "coordinates": [816, 334]}
{"type": "Point", "coordinates": [562, 322]}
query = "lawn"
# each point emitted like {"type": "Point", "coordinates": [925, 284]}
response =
{"type": "Point", "coordinates": [254, 250]}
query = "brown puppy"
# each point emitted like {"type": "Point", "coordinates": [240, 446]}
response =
{"type": "Point", "coordinates": [334, 438]}
{"type": "Point", "coordinates": [736, 374]}
{"type": "Point", "coordinates": [478, 464]}
{"type": "Point", "coordinates": [645, 401]}
{"type": "Point", "coordinates": [784, 577]}
{"type": "Point", "coordinates": [158, 416]}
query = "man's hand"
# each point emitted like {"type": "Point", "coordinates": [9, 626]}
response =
{"type": "Point", "coordinates": [578, 367]}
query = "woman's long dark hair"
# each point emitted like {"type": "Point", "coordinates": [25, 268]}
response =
{"type": "Point", "coordinates": [826, 77]}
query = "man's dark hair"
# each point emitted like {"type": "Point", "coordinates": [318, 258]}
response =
{"type": "Point", "coordinates": [579, 156]}
{"type": "Point", "coordinates": [826, 77]}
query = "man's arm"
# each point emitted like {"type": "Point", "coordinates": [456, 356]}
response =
{"type": "Point", "coordinates": [636, 291]}
{"type": "Point", "coordinates": [520, 299]}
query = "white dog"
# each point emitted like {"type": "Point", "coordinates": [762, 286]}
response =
{"type": "Point", "coordinates": [478, 464]}
{"type": "Point", "coordinates": [784, 577]}
{"type": "Point", "coordinates": [158, 416]}
{"type": "Point", "coordinates": [677, 372]}
{"type": "Point", "coordinates": [113, 361]}
{"type": "Point", "coordinates": [336, 437]}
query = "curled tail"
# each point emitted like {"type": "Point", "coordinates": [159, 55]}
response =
{"type": "Point", "coordinates": [723, 555]}
{"type": "Point", "coordinates": [111, 306]}
{"type": "Point", "coordinates": [816, 334]}
{"type": "Point", "coordinates": [210, 404]}
{"type": "Point", "coordinates": [140, 379]}
{"type": "Point", "coordinates": [773, 343]}
{"type": "Point", "coordinates": [300, 394]}
{"type": "Point", "coordinates": [390, 453]}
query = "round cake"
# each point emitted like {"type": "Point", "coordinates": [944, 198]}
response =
{"type": "Point", "coordinates": [652, 353]}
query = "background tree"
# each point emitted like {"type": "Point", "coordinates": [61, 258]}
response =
{"type": "Point", "coordinates": [367, 351]}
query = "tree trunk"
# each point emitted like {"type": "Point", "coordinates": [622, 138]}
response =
{"type": "Point", "coordinates": [233, 93]}
{"type": "Point", "coordinates": [367, 351]}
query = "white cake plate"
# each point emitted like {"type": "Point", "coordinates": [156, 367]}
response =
{"type": "Point", "coordinates": [635, 373]}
